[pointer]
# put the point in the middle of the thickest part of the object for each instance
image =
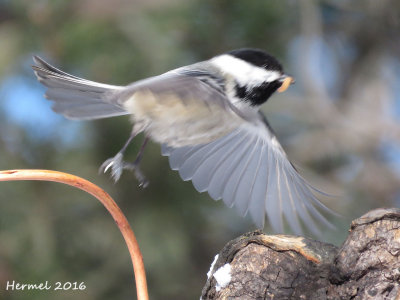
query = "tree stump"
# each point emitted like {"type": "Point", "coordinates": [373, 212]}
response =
{"type": "Point", "coordinates": [259, 266]}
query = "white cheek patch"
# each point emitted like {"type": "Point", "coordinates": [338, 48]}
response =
{"type": "Point", "coordinates": [245, 73]}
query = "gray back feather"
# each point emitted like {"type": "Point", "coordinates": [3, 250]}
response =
{"type": "Point", "coordinates": [187, 84]}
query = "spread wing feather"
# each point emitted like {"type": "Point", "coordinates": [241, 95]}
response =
{"type": "Point", "coordinates": [249, 170]}
{"type": "Point", "coordinates": [246, 180]}
{"type": "Point", "coordinates": [259, 188]}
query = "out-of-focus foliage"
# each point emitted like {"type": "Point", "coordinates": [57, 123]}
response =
{"type": "Point", "coordinates": [340, 120]}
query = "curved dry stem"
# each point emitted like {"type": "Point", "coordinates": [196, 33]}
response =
{"type": "Point", "coordinates": [109, 204]}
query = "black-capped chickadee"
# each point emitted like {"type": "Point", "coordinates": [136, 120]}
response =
{"type": "Point", "coordinates": [206, 117]}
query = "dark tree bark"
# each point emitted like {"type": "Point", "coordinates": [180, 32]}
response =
{"type": "Point", "coordinates": [259, 266]}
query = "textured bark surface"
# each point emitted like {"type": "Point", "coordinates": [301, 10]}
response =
{"type": "Point", "coordinates": [366, 266]}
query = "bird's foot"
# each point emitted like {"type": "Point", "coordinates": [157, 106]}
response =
{"type": "Point", "coordinates": [143, 182]}
{"type": "Point", "coordinates": [117, 165]}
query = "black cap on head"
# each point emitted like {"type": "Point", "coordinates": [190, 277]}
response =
{"type": "Point", "coordinates": [257, 58]}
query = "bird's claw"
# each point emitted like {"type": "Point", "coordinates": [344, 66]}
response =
{"type": "Point", "coordinates": [117, 165]}
{"type": "Point", "coordinates": [143, 182]}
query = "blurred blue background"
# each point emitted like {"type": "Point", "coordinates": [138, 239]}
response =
{"type": "Point", "coordinates": [339, 123]}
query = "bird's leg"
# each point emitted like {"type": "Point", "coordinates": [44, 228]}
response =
{"type": "Point", "coordinates": [116, 163]}
{"type": "Point", "coordinates": [135, 165]}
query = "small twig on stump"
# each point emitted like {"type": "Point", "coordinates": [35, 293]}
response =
{"type": "Point", "coordinates": [109, 204]}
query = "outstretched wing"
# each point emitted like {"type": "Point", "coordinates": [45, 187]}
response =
{"type": "Point", "coordinates": [249, 170]}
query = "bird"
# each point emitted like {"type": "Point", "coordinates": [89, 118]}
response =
{"type": "Point", "coordinates": [206, 117]}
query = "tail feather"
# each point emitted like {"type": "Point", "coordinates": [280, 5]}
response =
{"type": "Point", "coordinates": [87, 112]}
{"type": "Point", "coordinates": [77, 98]}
